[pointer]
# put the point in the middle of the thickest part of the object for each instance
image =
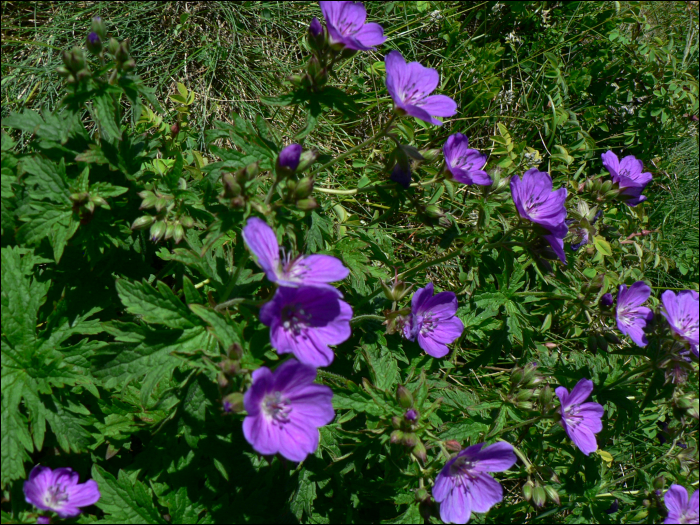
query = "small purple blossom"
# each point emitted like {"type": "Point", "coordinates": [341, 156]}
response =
{"type": "Point", "coordinates": [628, 175]}
{"type": "Point", "coordinates": [580, 420]}
{"type": "Point", "coordinates": [93, 38]}
{"type": "Point", "coordinates": [463, 485]}
{"type": "Point", "coordinates": [680, 510]}
{"type": "Point", "coordinates": [315, 27]}
{"type": "Point", "coordinates": [410, 415]}
{"type": "Point", "coordinates": [537, 202]}
{"type": "Point", "coordinates": [347, 28]}
{"type": "Point", "coordinates": [289, 157]}
{"type": "Point", "coordinates": [607, 300]}
{"type": "Point", "coordinates": [59, 491]}
{"type": "Point", "coordinates": [432, 321]}
{"type": "Point", "coordinates": [401, 176]}
{"type": "Point", "coordinates": [410, 86]}
{"type": "Point", "coordinates": [312, 270]}
{"type": "Point", "coordinates": [463, 163]}
{"type": "Point", "coordinates": [682, 312]}
{"type": "Point", "coordinates": [630, 315]}
{"type": "Point", "coordinates": [285, 409]}
{"type": "Point", "coordinates": [305, 320]}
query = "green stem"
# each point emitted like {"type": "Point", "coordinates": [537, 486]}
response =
{"type": "Point", "coordinates": [643, 368]}
{"type": "Point", "coordinates": [368, 317]}
{"type": "Point", "coordinates": [268, 197]}
{"type": "Point", "coordinates": [234, 278]}
{"type": "Point", "coordinates": [374, 137]}
{"type": "Point", "coordinates": [513, 427]}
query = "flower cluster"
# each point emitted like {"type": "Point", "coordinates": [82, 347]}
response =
{"type": "Point", "coordinates": [305, 316]}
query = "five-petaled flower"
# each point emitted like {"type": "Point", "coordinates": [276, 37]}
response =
{"type": "Point", "coordinates": [580, 420]}
{"type": "Point", "coordinates": [305, 320]}
{"type": "Point", "coordinates": [285, 409]}
{"type": "Point", "coordinates": [463, 163]}
{"type": "Point", "coordinates": [630, 315]}
{"type": "Point", "coordinates": [464, 486]}
{"type": "Point", "coordinates": [627, 174]}
{"type": "Point", "coordinates": [680, 510]}
{"type": "Point", "coordinates": [432, 321]}
{"type": "Point", "coordinates": [312, 270]}
{"type": "Point", "coordinates": [410, 86]}
{"type": "Point", "coordinates": [59, 491]}
{"type": "Point", "coordinates": [537, 202]}
{"type": "Point", "coordinates": [347, 28]}
{"type": "Point", "coordinates": [681, 311]}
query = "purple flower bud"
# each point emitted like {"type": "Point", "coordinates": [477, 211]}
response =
{"type": "Point", "coordinates": [401, 176]}
{"type": "Point", "coordinates": [411, 415]}
{"type": "Point", "coordinates": [289, 157]}
{"type": "Point", "coordinates": [614, 507]}
{"type": "Point", "coordinates": [315, 28]}
{"type": "Point", "coordinates": [59, 491]}
{"type": "Point", "coordinates": [606, 301]}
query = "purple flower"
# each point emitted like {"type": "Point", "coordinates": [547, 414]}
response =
{"type": "Point", "coordinates": [93, 38]}
{"type": "Point", "coordinates": [463, 485]}
{"type": "Point", "coordinates": [681, 312]}
{"type": "Point", "coordinates": [411, 415]}
{"type": "Point", "coordinates": [59, 491]}
{"type": "Point", "coordinates": [289, 157]}
{"type": "Point", "coordinates": [463, 163]}
{"type": "Point", "coordinates": [401, 176]}
{"type": "Point", "coordinates": [537, 202]}
{"type": "Point", "coordinates": [580, 420]}
{"type": "Point", "coordinates": [285, 409]}
{"type": "Point", "coordinates": [43, 520]}
{"type": "Point", "coordinates": [305, 320]}
{"type": "Point", "coordinates": [630, 315]}
{"type": "Point", "coordinates": [315, 27]}
{"type": "Point", "coordinates": [628, 175]}
{"type": "Point", "coordinates": [312, 270]}
{"type": "Point", "coordinates": [607, 300]}
{"type": "Point", "coordinates": [347, 28]}
{"type": "Point", "coordinates": [680, 510]}
{"type": "Point", "coordinates": [410, 86]}
{"type": "Point", "coordinates": [432, 321]}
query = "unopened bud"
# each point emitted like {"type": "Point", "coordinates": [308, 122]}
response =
{"type": "Point", "coordinates": [530, 370]}
{"type": "Point", "coordinates": [149, 199]}
{"type": "Point", "coordinates": [453, 445]}
{"type": "Point", "coordinates": [422, 495]}
{"type": "Point", "coordinates": [659, 482]}
{"type": "Point", "coordinates": [238, 202]}
{"type": "Point", "coordinates": [98, 26]}
{"type": "Point", "coordinates": [129, 65]}
{"type": "Point", "coordinates": [113, 46]}
{"type": "Point", "coordinates": [430, 155]}
{"type": "Point", "coordinates": [419, 452]}
{"type": "Point", "coordinates": [606, 186]}
{"type": "Point", "coordinates": [397, 436]}
{"type": "Point", "coordinates": [404, 397]}
{"type": "Point", "coordinates": [592, 343]}
{"type": "Point", "coordinates": [157, 230]}
{"type": "Point", "coordinates": [516, 376]}
{"type": "Point", "coordinates": [410, 439]}
{"type": "Point", "coordinates": [221, 380]}
{"type": "Point", "coordinates": [524, 405]}
{"type": "Point", "coordinates": [305, 187]}
{"type": "Point", "coordinates": [175, 129]}
{"type": "Point", "coordinates": [169, 230]}
{"type": "Point", "coordinates": [231, 186]}
{"type": "Point", "coordinates": [396, 422]}
{"type": "Point", "coordinates": [602, 342]}
{"type": "Point", "coordinates": [233, 403]}
{"type": "Point", "coordinates": [62, 71]}
{"type": "Point", "coordinates": [178, 233]}
{"type": "Point", "coordinates": [552, 495]}
{"type": "Point", "coordinates": [93, 43]}
{"type": "Point", "coordinates": [161, 202]}
{"type": "Point", "coordinates": [295, 80]}
{"type": "Point", "coordinates": [524, 395]}
{"type": "Point", "coordinates": [99, 201]}
{"type": "Point", "coordinates": [434, 212]}
{"type": "Point", "coordinates": [527, 490]}
{"type": "Point", "coordinates": [252, 170]}
{"type": "Point", "coordinates": [539, 496]}
{"type": "Point", "coordinates": [546, 395]}
{"type": "Point", "coordinates": [307, 204]}
{"type": "Point", "coordinates": [306, 159]}
{"type": "Point", "coordinates": [187, 221]}
{"type": "Point", "coordinates": [142, 222]}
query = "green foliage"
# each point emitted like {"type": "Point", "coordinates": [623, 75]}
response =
{"type": "Point", "coordinates": [130, 304]}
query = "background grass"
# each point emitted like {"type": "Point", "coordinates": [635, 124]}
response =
{"type": "Point", "coordinates": [503, 63]}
